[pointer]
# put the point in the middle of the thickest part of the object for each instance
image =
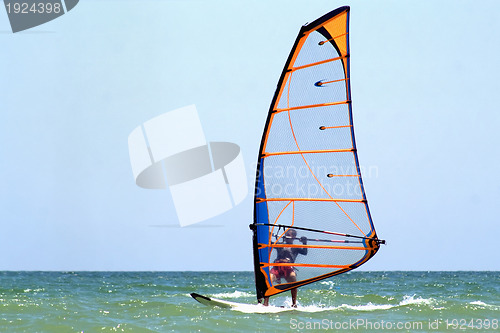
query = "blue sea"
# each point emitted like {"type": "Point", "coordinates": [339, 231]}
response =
{"type": "Point", "coordinates": [160, 302]}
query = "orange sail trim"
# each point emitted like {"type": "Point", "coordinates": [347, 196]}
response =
{"type": "Point", "coordinates": [330, 127]}
{"type": "Point", "coordinates": [308, 152]}
{"type": "Point", "coordinates": [336, 27]}
{"type": "Point", "coordinates": [331, 39]}
{"type": "Point", "coordinates": [266, 134]}
{"type": "Point", "coordinates": [311, 106]}
{"type": "Point", "coordinates": [276, 221]}
{"type": "Point", "coordinates": [318, 63]}
{"type": "Point", "coordinates": [321, 83]}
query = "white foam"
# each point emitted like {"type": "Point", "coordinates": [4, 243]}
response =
{"type": "Point", "coordinates": [259, 308]}
{"type": "Point", "coordinates": [315, 308]}
{"type": "Point", "coordinates": [234, 294]}
{"type": "Point", "coordinates": [330, 284]}
{"type": "Point", "coordinates": [490, 306]}
{"type": "Point", "coordinates": [367, 307]}
{"type": "Point", "coordinates": [408, 300]}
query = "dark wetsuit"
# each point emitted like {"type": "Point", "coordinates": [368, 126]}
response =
{"type": "Point", "coordinates": [286, 254]}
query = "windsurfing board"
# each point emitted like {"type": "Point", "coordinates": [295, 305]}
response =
{"type": "Point", "coordinates": [214, 301]}
{"type": "Point", "coordinates": [248, 308]}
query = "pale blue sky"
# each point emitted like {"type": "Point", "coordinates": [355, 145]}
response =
{"type": "Point", "coordinates": [424, 86]}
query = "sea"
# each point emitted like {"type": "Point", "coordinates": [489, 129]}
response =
{"type": "Point", "coordinates": [358, 301]}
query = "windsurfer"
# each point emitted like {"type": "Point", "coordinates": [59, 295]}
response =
{"type": "Point", "coordinates": [287, 255]}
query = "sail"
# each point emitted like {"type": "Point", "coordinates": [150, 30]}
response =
{"type": "Point", "coordinates": [308, 175]}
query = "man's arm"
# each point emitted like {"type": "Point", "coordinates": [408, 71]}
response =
{"type": "Point", "coordinates": [303, 251]}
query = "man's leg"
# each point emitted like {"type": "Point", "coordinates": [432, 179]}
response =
{"type": "Point", "coordinates": [294, 297]}
{"type": "Point", "coordinates": [292, 277]}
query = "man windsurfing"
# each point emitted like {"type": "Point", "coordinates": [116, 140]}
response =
{"type": "Point", "coordinates": [287, 255]}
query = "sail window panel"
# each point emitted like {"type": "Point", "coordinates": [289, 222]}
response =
{"type": "Point", "coordinates": [320, 256]}
{"type": "Point", "coordinates": [306, 124]}
{"type": "Point", "coordinates": [342, 188]}
{"type": "Point", "coordinates": [312, 52]}
{"type": "Point", "coordinates": [306, 137]}
{"type": "Point", "coordinates": [306, 187]}
{"type": "Point", "coordinates": [300, 130]}
{"type": "Point", "coordinates": [280, 137]}
{"type": "Point", "coordinates": [314, 240]}
{"type": "Point", "coordinates": [290, 176]}
{"type": "Point", "coordinates": [321, 164]}
{"type": "Point", "coordinates": [280, 212]}
{"type": "Point", "coordinates": [300, 89]}
{"type": "Point", "coordinates": [345, 217]}
{"type": "Point", "coordinates": [358, 212]}
{"type": "Point", "coordinates": [324, 256]}
{"type": "Point", "coordinates": [303, 273]}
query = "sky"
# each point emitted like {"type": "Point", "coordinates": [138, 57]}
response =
{"type": "Point", "coordinates": [424, 80]}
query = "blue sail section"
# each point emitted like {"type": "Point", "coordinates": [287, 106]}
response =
{"type": "Point", "coordinates": [262, 217]}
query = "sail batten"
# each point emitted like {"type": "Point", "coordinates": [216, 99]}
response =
{"type": "Point", "coordinates": [308, 174]}
{"type": "Point", "coordinates": [308, 152]}
{"type": "Point", "coordinates": [312, 105]}
{"type": "Point", "coordinates": [308, 247]}
{"type": "Point", "coordinates": [310, 199]}
{"type": "Point", "coordinates": [305, 265]}
{"type": "Point", "coordinates": [317, 63]}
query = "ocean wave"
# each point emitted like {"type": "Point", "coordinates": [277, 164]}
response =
{"type": "Point", "coordinates": [36, 290]}
{"type": "Point", "coordinates": [259, 308]}
{"type": "Point", "coordinates": [328, 283]}
{"type": "Point", "coordinates": [488, 306]}
{"type": "Point", "coordinates": [410, 300]}
{"type": "Point", "coordinates": [367, 307]}
{"type": "Point", "coordinates": [407, 300]}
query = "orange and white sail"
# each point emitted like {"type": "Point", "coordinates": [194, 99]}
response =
{"type": "Point", "coordinates": [308, 174]}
